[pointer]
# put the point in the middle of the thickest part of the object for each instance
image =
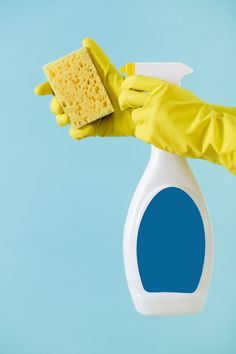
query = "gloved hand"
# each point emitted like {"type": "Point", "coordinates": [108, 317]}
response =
{"type": "Point", "coordinates": [175, 120]}
{"type": "Point", "coordinates": [116, 124]}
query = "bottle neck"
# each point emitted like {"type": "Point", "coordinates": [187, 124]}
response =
{"type": "Point", "coordinates": [166, 159]}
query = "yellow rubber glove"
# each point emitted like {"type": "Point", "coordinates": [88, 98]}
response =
{"type": "Point", "coordinates": [175, 120]}
{"type": "Point", "coordinates": [118, 123]}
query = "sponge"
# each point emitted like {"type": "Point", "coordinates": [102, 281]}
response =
{"type": "Point", "coordinates": [78, 88]}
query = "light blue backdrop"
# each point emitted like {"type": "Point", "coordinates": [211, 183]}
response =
{"type": "Point", "coordinates": [63, 203]}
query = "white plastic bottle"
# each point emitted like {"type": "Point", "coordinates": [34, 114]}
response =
{"type": "Point", "coordinates": [168, 240]}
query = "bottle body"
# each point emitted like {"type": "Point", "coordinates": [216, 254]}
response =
{"type": "Point", "coordinates": [163, 171]}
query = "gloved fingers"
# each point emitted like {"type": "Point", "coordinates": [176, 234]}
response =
{"type": "Point", "coordinates": [55, 106]}
{"type": "Point", "coordinates": [43, 89]}
{"type": "Point", "coordinates": [142, 83]}
{"type": "Point", "coordinates": [138, 116]}
{"type": "Point", "coordinates": [132, 99]}
{"type": "Point", "coordinates": [83, 132]}
{"type": "Point", "coordinates": [100, 59]}
{"type": "Point", "coordinates": [62, 120]}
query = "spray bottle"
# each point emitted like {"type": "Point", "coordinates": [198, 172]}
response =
{"type": "Point", "coordinates": [168, 238]}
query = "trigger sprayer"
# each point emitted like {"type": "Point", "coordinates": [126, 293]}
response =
{"type": "Point", "coordinates": [168, 239]}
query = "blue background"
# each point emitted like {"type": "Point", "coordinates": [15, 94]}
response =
{"type": "Point", "coordinates": [63, 203]}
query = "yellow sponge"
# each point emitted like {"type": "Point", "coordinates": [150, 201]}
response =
{"type": "Point", "coordinates": [78, 88]}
